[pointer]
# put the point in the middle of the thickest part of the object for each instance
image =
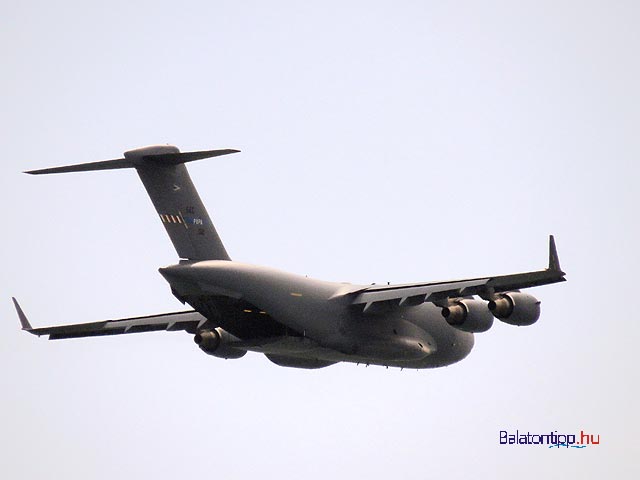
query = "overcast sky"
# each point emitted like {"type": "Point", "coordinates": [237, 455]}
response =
{"type": "Point", "coordinates": [381, 141]}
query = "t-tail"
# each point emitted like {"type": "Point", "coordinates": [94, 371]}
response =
{"type": "Point", "coordinates": [166, 179]}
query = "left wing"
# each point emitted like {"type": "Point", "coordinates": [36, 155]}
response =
{"type": "Point", "coordinates": [189, 321]}
{"type": "Point", "coordinates": [440, 292]}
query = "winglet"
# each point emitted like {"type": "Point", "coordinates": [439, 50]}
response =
{"type": "Point", "coordinates": [554, 263]}
{"type": "Point", "coordinates": [23, 318]}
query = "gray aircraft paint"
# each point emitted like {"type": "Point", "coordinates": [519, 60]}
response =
{"type": "Point", "coordinates": [296, 321]}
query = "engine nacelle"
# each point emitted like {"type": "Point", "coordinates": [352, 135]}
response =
{"type": "Point", "coordinates": [515, 308]}
{"type": "Point", "coordinates": [216, 342]}
{"type": "Point", "coordinates": [468, 315]}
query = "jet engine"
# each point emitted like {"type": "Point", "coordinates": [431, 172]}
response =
{"type": "Point", "coordinates": [515, 308]}
{"type": "Point", "coordinates": [468, 315]}
{"type": "Point", "coordinates": [217, 342]}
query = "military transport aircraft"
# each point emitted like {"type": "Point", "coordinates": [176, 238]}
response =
{"type": "Point", "coordinates": [294, 320]}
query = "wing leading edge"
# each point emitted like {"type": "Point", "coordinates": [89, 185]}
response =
{"type": "Point", "coordinates": [189, 321]}
{"type": "Point", "coordinates": [440, 292]}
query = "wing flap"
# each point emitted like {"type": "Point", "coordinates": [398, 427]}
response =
{"type": "Point", "coordinates": [412, 293]}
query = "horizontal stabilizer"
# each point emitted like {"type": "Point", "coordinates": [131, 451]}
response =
{"type": "Point", "coordinates": [140, 157]}
{"type": "Point", "coordinates": [184, 157]}
{"type": "Point", "coordinates": [85, 167]}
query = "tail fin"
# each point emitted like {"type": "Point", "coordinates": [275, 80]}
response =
{"type": "Point", "coordinates": [166, 179]}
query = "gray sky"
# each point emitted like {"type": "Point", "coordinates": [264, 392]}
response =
{"type": "Point", "coordinates": [407, 142]}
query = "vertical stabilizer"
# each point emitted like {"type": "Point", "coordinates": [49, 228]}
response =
{"type": "Point", "coordinates": [182, 212]}
{"type": "Point", "coordinates": [166, 179]}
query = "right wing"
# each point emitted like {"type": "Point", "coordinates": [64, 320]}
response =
{"type": "Point", "coordinates": [189, 321]}
{"type": "Point", "coordinates": [440, 292]}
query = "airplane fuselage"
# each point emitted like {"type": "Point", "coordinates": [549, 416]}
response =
{"type": "Point", "coordinates": [412, 337]}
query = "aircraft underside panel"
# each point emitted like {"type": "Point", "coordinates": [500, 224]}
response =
{"type": "Point", "coordinates": [302, 352]}
{"type": "Point", "coordinates": [238, 317]}
{"type": "Point", "coordinates": [297, 362]}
